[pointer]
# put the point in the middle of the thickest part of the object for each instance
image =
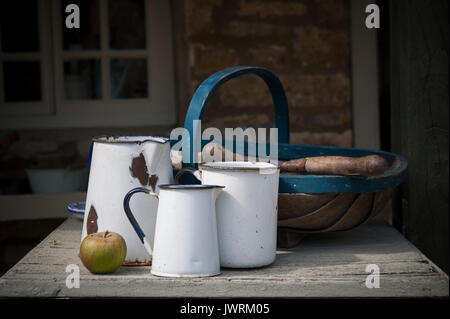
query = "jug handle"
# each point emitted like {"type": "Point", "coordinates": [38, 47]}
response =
{"type": "Point", "coordinates": [195, 172]}
{"type": "Point", "coordinates": [133, 221]}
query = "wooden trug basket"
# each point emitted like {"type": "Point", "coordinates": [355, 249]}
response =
{"type": "Point", "coordinates": [306, 203]}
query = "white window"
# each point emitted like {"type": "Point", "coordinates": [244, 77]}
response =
{"type": "Point", "coordinates": [115, 70]}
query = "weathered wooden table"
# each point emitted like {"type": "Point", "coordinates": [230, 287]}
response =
{"type": "Point", "coordinates": [324, 265]}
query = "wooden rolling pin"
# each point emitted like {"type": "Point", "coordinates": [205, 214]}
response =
{"type": "Point", "coordinates": [371, 165]}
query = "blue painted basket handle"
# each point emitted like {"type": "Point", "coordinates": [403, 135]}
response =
{"type": "Point", "coordinates": [210, 85]}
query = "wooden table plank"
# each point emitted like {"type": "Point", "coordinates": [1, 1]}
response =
{"type": "Point", "coordinates": [322, 265]}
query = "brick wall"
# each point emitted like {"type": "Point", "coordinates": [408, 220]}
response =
{"type": "Point", "coordinates": [306, 43]}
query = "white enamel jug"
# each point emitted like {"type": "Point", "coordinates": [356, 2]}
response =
{"type": "Point", "coordinates": [118, 164]}
{"type": "Point", "coordinates": [185, 243]}
{"type": "Point", "coordinates": [246, 210]}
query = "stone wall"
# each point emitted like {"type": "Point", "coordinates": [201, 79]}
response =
{"type": "Point", "coordinates": [306, 43]}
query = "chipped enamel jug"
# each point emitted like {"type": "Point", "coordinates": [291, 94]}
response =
{"type": "Point", "coordinates": [185, 243]}
{"type": "Point", "coordinates": [118, 164]}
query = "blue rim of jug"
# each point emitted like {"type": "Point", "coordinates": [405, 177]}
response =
{"type": "Point", "coordinates": [241, 166]}
{"type": "Point", "coordinates": [97, 139]}
{"type": "Point", "coordinates": [188, 186]}
{"type": "Point", "coordinates": [156, 139]}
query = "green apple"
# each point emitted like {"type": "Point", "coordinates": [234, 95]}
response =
{"type": "Point", "coordinates": [103, 252]}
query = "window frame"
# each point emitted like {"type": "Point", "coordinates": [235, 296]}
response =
{"type": "Point", "coordinates": [56, 112]}
{"type": "Point", "coordinates": [44, 106]}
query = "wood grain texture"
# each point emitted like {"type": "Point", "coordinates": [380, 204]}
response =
{"type": "Point", "coordinates": [313, 213]}
{"type": "Point", "coordinates": [419, 72]}
{"type": "Point", "coordinates": [324, 265]}
{"type": "Point", "coordinates": [380, 201]}
{"type": "Point", "coordinates": [370, 165]}
{"type": "Point", "coordinates": [323, 217]}
{"type": "Point", "coordinates": [297, 205]}
{"type": "Point", "coordinates": [356, 214]}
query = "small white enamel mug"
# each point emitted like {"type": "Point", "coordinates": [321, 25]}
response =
{"type": "Point", "coordinates": [185, 242]}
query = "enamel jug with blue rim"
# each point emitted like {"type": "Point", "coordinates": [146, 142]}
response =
{"type": "Point", "coordinates": [118, 164]}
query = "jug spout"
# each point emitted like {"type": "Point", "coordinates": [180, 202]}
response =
{"type": "Point", "coordinates": [153, 152]}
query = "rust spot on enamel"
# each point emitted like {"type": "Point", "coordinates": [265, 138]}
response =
{"type": "Point", "coordinates": [137, 262]}
{"type": "Point", "coordinates": [152, 181]}
{"type": "Point", "coordinates": [91, 225]}
{"type": "Point", "coordinates": [138, 169]}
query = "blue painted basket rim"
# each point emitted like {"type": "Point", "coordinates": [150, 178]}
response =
{"type": "Point", "coordinates": [335, 184]}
